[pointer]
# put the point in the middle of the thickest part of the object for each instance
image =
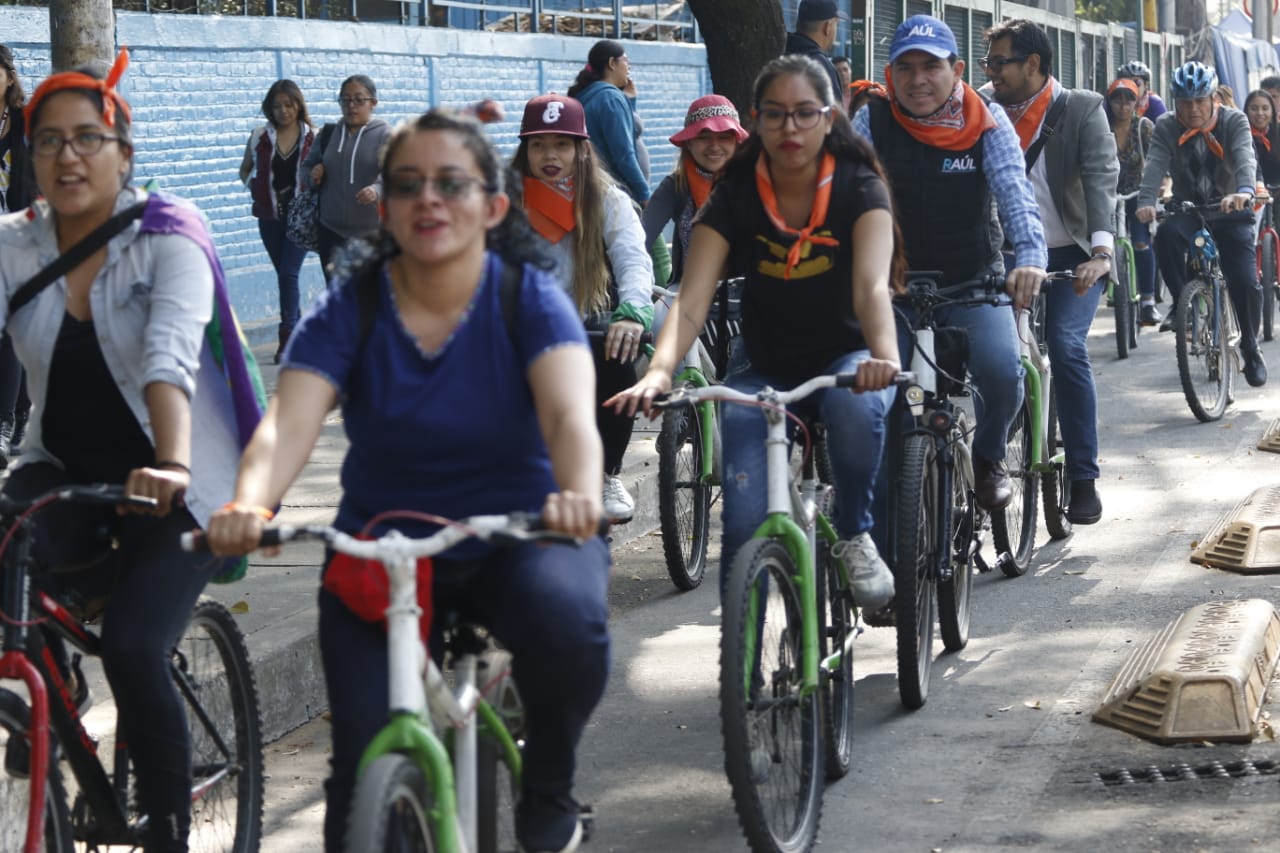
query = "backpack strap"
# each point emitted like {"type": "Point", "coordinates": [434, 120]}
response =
{"type": "Point", "coordinates": [1052, 123]}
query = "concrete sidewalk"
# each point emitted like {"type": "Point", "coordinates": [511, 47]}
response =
{"type": "Point", "coordinates": [278, 596]}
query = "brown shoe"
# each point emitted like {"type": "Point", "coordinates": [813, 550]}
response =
{"type": "Point", "coordinates": [991, 482]}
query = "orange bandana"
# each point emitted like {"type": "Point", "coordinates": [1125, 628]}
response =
{"type": "Point", "coordinates": [956, 126]}
{"type": "Point", "coordinates": [1207, 131]}
{"type": "Point", "coordinates": [111, 99]}
{"type": "Point", "coordinates": [1261, 136]}
{"type": "Point", "coordinates": [699, 184]}
{"type": "Point", "coordinates": [550, 209]}
{"type": "Point", "coordinates": [1029, 115]}
{"type": "Point", "coordinates": [817, 215]}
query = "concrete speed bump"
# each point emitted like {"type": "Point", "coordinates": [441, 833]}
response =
{"type": "Point", "coordinates": [1247, 539]}
{"type": "Point", "coordinates": [1202, 678]}
{"type": "Point", "coordinates": [1270, 440]}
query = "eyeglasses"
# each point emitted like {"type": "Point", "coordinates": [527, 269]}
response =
{"type": "Point", "coordinates": [49, 144]}
{"type": "Point", "coordinates": [804, 117]}
{"type": "Point", "coordinates": [448, 187]}
{"type": "Point", "coordinates": [358, 100]}
{"type": "Point", "coordinates": [995, 63]}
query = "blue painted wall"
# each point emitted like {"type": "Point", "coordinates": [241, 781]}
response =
{"type": "Point", "coordinates": [196, 85]}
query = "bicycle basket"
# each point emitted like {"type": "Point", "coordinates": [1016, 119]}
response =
{"type": "Point", "coordinates": [951, 352]}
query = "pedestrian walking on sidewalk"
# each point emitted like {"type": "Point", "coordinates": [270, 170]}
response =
{"type": "Point", "coordinates": [17, 191]}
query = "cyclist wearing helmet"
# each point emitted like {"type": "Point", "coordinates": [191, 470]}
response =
{"type": "Point", "coordinates": [1149, 103]}
{"type": "Point", "coordinates": [1207, 150]}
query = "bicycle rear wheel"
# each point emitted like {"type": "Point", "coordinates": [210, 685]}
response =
{"type": "Point", "coordinates": [1204, 359]}
{"type": "Point", "coordinates": [389, 809]}
{"type": "Point", "coordinates": [954, 594]}
{"type": "Point", "coordinates": [1013, 529]}
{"type": "Point", "coordinates": [212, 670]}
{"type": "Point", "coordinates": [913, 572]}
{"type": "Point", "coordinates": [15, 787]}
{"type": "Point", "coordinates": [772, 738]}
{"type": "Point", "coordinates": [1267, 266]}
{"type": "Point", "coordinates": [684, 499]}
{"type": "Point", "coordinates": [835, 609]}
{"type": "Point", "coordinates": [496, 797]}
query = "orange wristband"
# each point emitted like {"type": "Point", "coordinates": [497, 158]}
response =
{"type": "Point", "coordinates": [260, 511]}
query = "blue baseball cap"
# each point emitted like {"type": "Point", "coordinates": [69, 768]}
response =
{"type": "Point", "coordinates": [923, 32]}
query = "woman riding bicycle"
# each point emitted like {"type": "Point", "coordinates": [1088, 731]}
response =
{"type": "Point", "coordinates": [120, 338]}
{"type": "Point", "coordinates": [423, 439]}
{"type": "Point", "coordinates": [1133, 139]}
{"type": "Point", "coordinates": [787, 214]}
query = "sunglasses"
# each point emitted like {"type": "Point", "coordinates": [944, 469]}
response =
{"type": "Point", "coordinates": [448, 187]}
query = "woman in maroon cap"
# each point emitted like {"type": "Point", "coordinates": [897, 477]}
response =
{"type": "Point", "coordinates": [598, 244]}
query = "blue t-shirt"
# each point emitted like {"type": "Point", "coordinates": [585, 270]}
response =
{"type": "Point", "coordinates": [453, 432]}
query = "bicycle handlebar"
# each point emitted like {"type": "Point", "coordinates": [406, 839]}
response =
{"type": "Point", "coordinates": [506, 530]}
{"type": "Point", "coordinates": [722, 393]}
{"type": "Point", "coordinates": [97, 494]}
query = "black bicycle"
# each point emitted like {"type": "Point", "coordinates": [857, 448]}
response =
{"type": "Point", "coordinates": [210, 666]}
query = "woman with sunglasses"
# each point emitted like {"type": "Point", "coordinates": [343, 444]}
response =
{"type": "Point", "coordinates": [345, 168]}
{"type": "Point", "coordinates": [126, 390]}
{"type": "Point", "coordinates": [17, 191]}
{"type": "Point", "coordinates": [423, 439]}
{"type": "Point", "coordinates": [1133, 140]}
{"type": "Point", "coordinates": [803, 212]}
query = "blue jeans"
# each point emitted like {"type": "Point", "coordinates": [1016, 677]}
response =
{"type": "Point", "coordinates": [1144, 257]}
{"type": "Point", "coordinates": [855, 425]}
{"type": "Point", "coordinates": [1067, 321]}
{"type": "Point", "coordinates": [286, 256]}
{"type": "Point", "coordinates": [547, 604]}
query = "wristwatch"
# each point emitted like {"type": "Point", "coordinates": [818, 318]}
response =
{"type": "Point", "coordinates": [1106, 256]}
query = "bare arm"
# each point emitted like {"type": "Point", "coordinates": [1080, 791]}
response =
{"type": "Point", "coordinates": [873, 235]}
{"type": "Point", "coordinates": [562, 380]}
{"type": "Point", "coordinates": [170, 413]}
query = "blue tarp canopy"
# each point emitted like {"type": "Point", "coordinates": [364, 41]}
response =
{"type": "Point", "coordinates": [1241, 59]}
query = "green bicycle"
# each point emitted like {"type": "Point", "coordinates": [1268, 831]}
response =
{"type": "Point", "coordinates": [1122, 284]}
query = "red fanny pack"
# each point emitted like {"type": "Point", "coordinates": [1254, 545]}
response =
{"type": "Point", "coordinates": [363, 587]}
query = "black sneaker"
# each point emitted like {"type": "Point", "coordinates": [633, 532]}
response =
{"type": "Point", "coordinates": [1085, 506]}
{"type": "Point", "coordinates": [1150, 315]}
{"type": "Point", "coordinates": [1255, 369]}
{"type": "Point", "coordinates": [1167, 325]}
{"type": "Point", "coordinates": [546, 824]}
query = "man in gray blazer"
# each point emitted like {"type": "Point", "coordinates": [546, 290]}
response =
{"type": "Point", "coordinates": [1072, 165]}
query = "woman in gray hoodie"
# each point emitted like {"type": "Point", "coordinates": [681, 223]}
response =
{"type": "Point", "coordinates": [343, 164]}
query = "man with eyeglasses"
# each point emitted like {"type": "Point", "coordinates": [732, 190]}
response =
{"type": "Point", "coordinates": [1071, 161]}
{"type": "Point", "coordinates": [949, 155]}
{"type": "Point", "coordinates": [817, 22]}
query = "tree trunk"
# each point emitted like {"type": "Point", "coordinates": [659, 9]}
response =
{"type": "Point", "coordinates": [741, 36]}
{"type": "Point", "coordinates": [81, 33]}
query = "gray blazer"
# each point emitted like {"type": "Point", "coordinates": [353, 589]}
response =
{"type": "Point", "coordinates": [1082, 169]}
{"type": "Point", "coordinates": [1236, 172]}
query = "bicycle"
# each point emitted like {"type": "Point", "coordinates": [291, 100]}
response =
{"type": "Point", "coordinates": [1032, 453]}
{"type": "Point", "coordinates": [689, 450]}
{"type": "Point", "coordinates": [444, 771]}
{"type": "Point", "coordinates": [1206, 333]}
{"type": "Point", "coordinates": [211, 669]}
{"type": "Point", "coordinates": [1124, 297]}
{"type": "Point", "coordinates": [786, 648]}
{"type": "Point", "coordinates": [1268, 253]}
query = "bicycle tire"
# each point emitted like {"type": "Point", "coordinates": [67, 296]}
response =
{"type": "Point", "coordinates": [211, 667]}
{"type": "Point", "coordinates": [684, 500]}
{"type": "Point", "coordinates": [772, 733]}
{"type": "Point", "coordinates": [496, 797]}
{"type": "Point", "coordinates": [835, 610]}
{"type": "Point", "coordinates": [1013, 529]}
{"type": "Point", "coordinates": [390, 808]}
{"type": "Point", "coordinates": [913, 572]}
{"type": "Point", "coordinates": [1267, 266]}
{"type": "Point", "coordinates": [1120, 299]}
{"type": "Point", "coordinates": [955, 594]}
{"type": "Point", "coordinates": [15, 789]}
{"type": "Point", "coordinates": [1053, 483]}
{"type": "Point", "coordinates": [1204, 360]}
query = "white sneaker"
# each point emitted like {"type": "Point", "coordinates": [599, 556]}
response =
{"type": "Point", "coordinates": [619, 506]}
{"type": "Point", "coordinates": [870, 578]}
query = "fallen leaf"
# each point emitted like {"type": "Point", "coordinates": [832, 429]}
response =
{"type": "Point", "coordinates": [239, 607]}
{"type": "Point", "coordinates": [933, 801]}
{"type": "Point", "coordinates": [1005, 708]}
{"type": "Point", "coordinates": [1035, 706]}
{"type": "Point", "coordinates": [1073, 572]}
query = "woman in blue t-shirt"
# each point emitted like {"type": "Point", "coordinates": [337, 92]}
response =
{"type": "Point", "coordinates": [454, 410]}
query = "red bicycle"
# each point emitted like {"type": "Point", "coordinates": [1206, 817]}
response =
{"type": "Point", "coordinates": [1268, 253]}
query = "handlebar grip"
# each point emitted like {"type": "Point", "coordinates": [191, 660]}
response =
{"type": "Point", "coordinates": [534, 524]}
{"type": "Point", "coordinates": [850, 380]}
{"type": "Point", "coordinates": [645, 337]}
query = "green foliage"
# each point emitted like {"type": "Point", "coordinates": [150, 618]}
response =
{"type": "Point", "coordinates": [1103, 11]}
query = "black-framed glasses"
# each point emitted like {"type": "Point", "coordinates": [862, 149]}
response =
{"type": "Point", "coordinates": [449, 187]}
{"type": "Point", "coordinates": [995, 63]}
{"type": "Point", "coordinates": [358, 100]}
{"type": "Point", "coordinates": [772, 118]}
{"type": "Point", "coordinates": [86, 144]}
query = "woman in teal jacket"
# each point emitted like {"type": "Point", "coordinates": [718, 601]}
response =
{"type": "Point", "coordinates": [610, 114]}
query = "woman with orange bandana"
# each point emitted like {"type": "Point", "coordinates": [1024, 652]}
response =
{"type": "Point", "coordinates": [803, 213]}
{"type": "Point", "coordinates": [599, 247]}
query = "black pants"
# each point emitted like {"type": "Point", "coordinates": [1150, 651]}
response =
{"type": "Point", "coordinates": [1236, 240]}
{"type": "Point", "coordinates": [153, 586]}
{"type": "Point", "coordinates": [615, 430]}
{"type": "Point", "coordinates": [330, 243]}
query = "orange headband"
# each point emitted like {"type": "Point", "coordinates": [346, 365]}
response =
{"type": "Point", "coordinates": [79, 80]}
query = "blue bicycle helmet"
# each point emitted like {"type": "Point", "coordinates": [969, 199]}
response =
{"type": "Point", "coordinates": [1193, 80]}
{"type": "Point", "coordinates": [1135, 69]}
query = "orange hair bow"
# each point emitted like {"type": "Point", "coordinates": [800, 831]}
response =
{"type": "Point", "coordinates": [111, 99]}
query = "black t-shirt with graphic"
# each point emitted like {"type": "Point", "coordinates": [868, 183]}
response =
{"type": "Point", "coordinates": [794, 328]}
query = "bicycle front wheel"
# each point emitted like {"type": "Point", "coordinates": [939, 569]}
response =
{"type": "Point", "coordinates": [1053, 482]}
{"type": "Point", "coordinates": [772, 738]}
{"type": "Point", "coordinates": [1123, 307]}
{"type": "Point", "coordinates": [913, 572]}
{"type": "Point", "coordinates": [1204, 358]}
{"type": "Point", "coordinates": [835, 609]}
{"type": "Point", "coordinates": [496, 796]}
{"type": "Point", "coordinates": [389, 809]}
{"type": "Point", "coordinates": [1013, 529]}
{"type": "Point", "coordinates": [684, 498]}
{"type": "Point", "coordinates": [15, 784]}
{"type": "Point", "coordinates": [211, 668]}
{"type": "Point", "coordinates": [1267, 267]}
{"type": "Point", "coordinates": [954, 593]}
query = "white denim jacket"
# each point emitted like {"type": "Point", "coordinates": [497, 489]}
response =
{"type": "Point", "coordinates": [150, 303]}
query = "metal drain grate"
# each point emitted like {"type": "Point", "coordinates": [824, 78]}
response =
{"type": "Point", "coordinates": [1181, 772]}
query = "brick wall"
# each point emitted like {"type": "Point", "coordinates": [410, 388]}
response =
{"type": "Point", "coordinates": [196, 85]}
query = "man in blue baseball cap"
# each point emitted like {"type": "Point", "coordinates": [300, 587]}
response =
{"type": "Point", "coordinates": [948, 154]}
{"type": "Point", "coordinates": [817, 22]}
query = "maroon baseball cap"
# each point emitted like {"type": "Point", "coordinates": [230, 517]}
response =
{"type": "Point", "coordinates": [553, 114]}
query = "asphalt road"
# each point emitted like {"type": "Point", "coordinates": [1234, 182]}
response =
{"type": "Point", "coordinates": [1004, 755]}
